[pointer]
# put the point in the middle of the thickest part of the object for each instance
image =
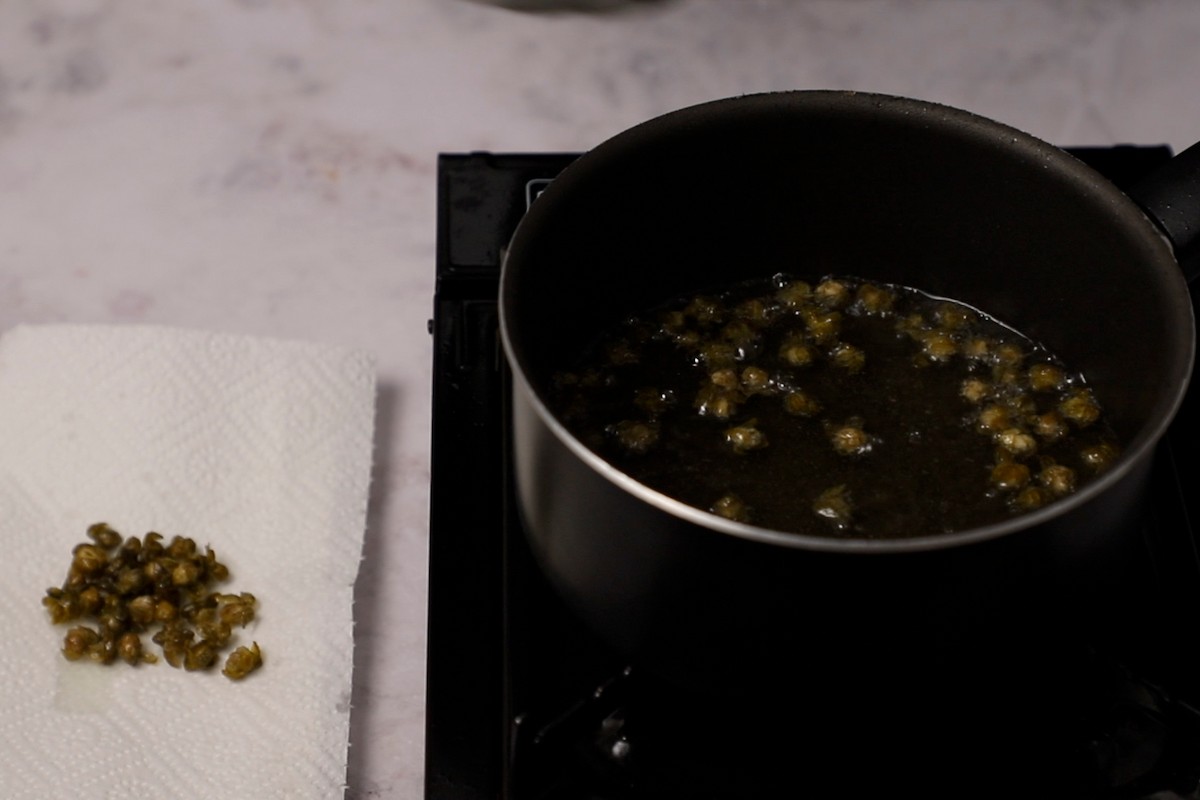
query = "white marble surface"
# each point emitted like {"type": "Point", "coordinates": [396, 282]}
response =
{"type": "Point", "coordinates": [267, 167]}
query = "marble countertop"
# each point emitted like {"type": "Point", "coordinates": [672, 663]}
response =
{"type": "Point", "coordinates": [268, 167]}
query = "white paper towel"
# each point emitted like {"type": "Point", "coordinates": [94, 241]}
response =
{"type": "Point", "coordinates": [261, 448]}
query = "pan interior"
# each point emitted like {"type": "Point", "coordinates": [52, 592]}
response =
{"type": "Point", "coordinates": [887, 189]}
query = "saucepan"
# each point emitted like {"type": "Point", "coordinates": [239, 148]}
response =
{"type": "Point", "coordinates": [887, 188]}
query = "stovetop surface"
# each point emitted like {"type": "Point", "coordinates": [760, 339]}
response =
{"type": "Point", "coordinates": [524, 704]}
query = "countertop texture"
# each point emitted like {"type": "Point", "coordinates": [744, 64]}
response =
{"type": "Point", "coordinates": [268, 167]}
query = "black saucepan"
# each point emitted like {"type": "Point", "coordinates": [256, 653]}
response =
{"type": "Point", "coordinates": [885, 188]}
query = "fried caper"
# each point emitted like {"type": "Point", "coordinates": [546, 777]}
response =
{"type": "Point", "coordinates": [749, 344]}
{"type": "Point", "coordinates": [200, 655]}
{"type": "Point", "coordinates": [89, 559]}
{"type": "Point", "coordinates": [730, 506]}
{"type": "Point", "coordinates": [994, 418]}
{"type": "Point", "coordinates": [216, 570]}
{"type": "Point", "coordinates": [726, 378]}
{"type": "Point", "coordinates": [1046, 378]}
{"type": "Point", "coordinates": [741, 335]}
{"type": "Point", "coordinates": [832, 293]}
{"type": "Point", "coordinates": [754, 311]}
{"type": "Point", "coordinates": [105, 650]}
{"type": "Point", "coordinates": [1017, 442]}
{"type": "Point", "coordinates": [129, 648]}
{"type": "Point", "coordinates": [237, 609]}
{"type": "Point", "coordinates": [90, 600]}
{"type": "Point", "coordinates": [141, 609]}
{"type": "Point", "coordinates": [794, 294]}
{"type": "Point", "coordinates": [103, 535]}
{"type": "Point", "coordinates": [938, 346]}
{"type": "Point", "coordinates": [1010, 476]}
{"type": "Point", "coordinates": [175, 641]}
{"type": "Point", "coordinates": [717, 355]}
{"type": "Point", "coordinates": [185, 573]}
{"type": "Point", "coordinates": [801, 403]}
{"type": "Point", "coordinates": [872, 299]}
{"type": "Point", "coordinates": [848, 357]}
{"type": "Point", "coordinates": [78, 642]}
{"type": "Point", "coordinates": [62, 608]}
{"type": "Point", "coordinates": [634, 436]}
{"type": "Point", "coordinates": [952, 316]}
{"type": "Point", "coordinates": [152, 546]}
{"type": "Point", "coordinates": [1059, 480]}
{"type": "Point", "coordinates": [822, 326]}
{"type": "Point", "coordinates": [1080, 408]}
{"type": "Point", "coordinates": [1008, 354]}
{"type": "Point", "coordinates": [242, 662]}
{"type": "Point", "coordinates": [1049, 426]}
{"type": "Point", "coordinates": [850, 439]}
{"type": "Point", "coordinates": [744, 438]}
{"type": "Point", "coordinates": [912, 325]}
{"type": "Point", "coordinates": [1099, 457]}
{"type": "Point", "coordinates": [975, 390]}
{"type": "Point", "coordinates": [130, 581]}
{"type": "Point", "coordinates": [797, 352]}
{"type": "Point", "coordinates": [123, 586]}
{"type": "Point", "coordinates": [213, 630]}
{"type": "Point", "coordinates": [1029, 498]}
{"type": "Point", "coordinates": [716, 402]}
{"type": "Point", "coordinates": [181, 547]}
{"type": "Point", "coordinates": [976, 348]}
{"type": "Point", "coordinates": [755, 380]}
{"type": "Point", "coordinates": [835, 504]}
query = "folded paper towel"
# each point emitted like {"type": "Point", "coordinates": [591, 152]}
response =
{"type": "Point", "coordinates": [261, 448]}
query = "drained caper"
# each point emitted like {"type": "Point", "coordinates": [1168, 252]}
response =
{"type": "Point", "coordinates": [242, 662]}
{"type": "Point", "coordinates": [78, 641]}
{"type": "Point", "coordinates": [125, 586]}
{"type": "Point", "coordinates": [89, 559]}
{"type": "Point", "coordinates": [103, 535]}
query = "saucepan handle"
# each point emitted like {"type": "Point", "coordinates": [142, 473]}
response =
{"type": "Point", "coordinates": [1170, 195]}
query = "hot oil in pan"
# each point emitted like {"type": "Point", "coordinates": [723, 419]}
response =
{"type": "Point", "coordinates": [838, 407]}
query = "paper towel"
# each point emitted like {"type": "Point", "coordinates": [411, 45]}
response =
{"type": "Point", "coordinates": [259, 448]}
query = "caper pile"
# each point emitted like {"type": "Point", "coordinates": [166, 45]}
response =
{"type": "Point", "coordinates": [895, 410]}
{"type": "Point", "coordinates": [125, 588]}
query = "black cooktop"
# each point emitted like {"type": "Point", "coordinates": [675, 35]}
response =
{"type": "Point", "coordinates": [524, 704]}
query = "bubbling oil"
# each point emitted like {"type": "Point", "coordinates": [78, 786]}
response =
{"type": "Point", "coordinates": [836, 407]}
